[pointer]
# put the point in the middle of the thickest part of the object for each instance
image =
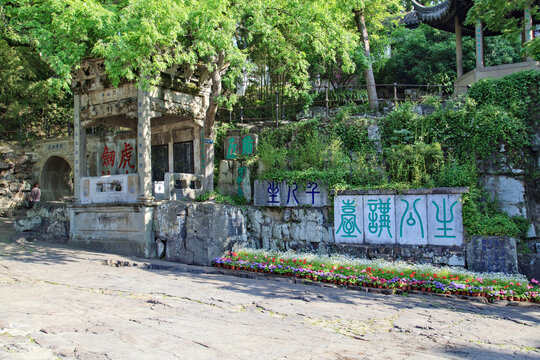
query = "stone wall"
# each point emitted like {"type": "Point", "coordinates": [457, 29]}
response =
{"type": "Point", "coordinates": [15, 178]}
{"type": "Point", "coordinates": [46, 222]}
{"type": "Point", "coordinates": [194, 233]}
{"type": "Point", "coordinates": [311, 229]}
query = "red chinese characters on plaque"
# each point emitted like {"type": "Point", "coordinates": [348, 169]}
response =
{"type": "Point", "coordinates": [107, 160]}
{"type": "Point", "coordinates": [127, 152]}
{"type": "Point", "coordinates": [117, 158]}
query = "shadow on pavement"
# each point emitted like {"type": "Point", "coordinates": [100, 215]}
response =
{"type": "Point", "coordinates": [269, 287]}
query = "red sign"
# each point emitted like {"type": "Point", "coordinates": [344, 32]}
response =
{"type": "Point", "coordinates": [126, 157]}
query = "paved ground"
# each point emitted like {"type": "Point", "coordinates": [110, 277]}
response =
{"type": "Point", "coordinates": [57, 302]}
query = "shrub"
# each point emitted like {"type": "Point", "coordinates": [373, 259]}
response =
{"type": "Point", "coordinates": [414, 164]}
{"type": "Point", "coordinates": [516, 93]}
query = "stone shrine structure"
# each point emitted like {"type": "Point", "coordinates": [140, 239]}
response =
{"type": "Point", "coordinates": [114, 200]}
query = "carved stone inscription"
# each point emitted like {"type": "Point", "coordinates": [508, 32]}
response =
{"type": "Point", "coordinates": [404, 219]}
{"type": "Point", "coordinates": [289, 194]}
{"type": "Point", "coordinates": [117, 157]}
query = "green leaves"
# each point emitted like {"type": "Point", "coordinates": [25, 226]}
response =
{"type": "Point", "coordinates": [138, 39]}
{"type": "Point", "coordinates": [495, 15]}
{"type": "Point", "coordinates": [28, 93]}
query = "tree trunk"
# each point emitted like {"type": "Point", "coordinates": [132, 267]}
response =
{"type": "Point", "coordinates": [208, 131]}
{"type": "Point", "coordinates": [368, 72]}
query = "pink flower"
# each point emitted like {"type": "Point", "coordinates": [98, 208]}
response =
{"type": "Point", "coordinates": [534, 281]}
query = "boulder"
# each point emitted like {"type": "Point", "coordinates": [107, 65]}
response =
{"type": "Point", "coordinates": [28, 224]}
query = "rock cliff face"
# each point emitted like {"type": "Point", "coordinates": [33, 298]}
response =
{"type": "Point", "coordinates": [15, 178]}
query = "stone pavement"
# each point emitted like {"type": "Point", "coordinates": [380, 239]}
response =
{"type": "Point", "coordinates": [60, 302]}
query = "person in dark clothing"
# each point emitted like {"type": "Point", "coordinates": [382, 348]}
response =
{"type": "Point", "coordinates": [35, 195]}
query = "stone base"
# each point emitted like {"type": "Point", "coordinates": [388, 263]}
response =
{"type": "Point", "coordinates": [419, 254]}
{"type": "Point", "coordinates": [117, 228]}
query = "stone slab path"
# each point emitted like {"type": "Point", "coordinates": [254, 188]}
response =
{"type": "Point", "coordinates": [59, 302]}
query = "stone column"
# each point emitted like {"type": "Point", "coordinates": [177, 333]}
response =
{"type": "Point", "coordinates": [79, 146]}
{"type": "Point", "coordinates": [198, 151]}
{"type": "Point", "coordinates": [528, 33]}
{"type": "Point", "coordinates": [459, 47]}
{"type": "Point", "coordinates": [479, 45]}
{"type": "Point", "coordinates": [144, 145]}
{"type": "Point", "coordinates": [528, 24]}
{"type": "Point", "coordinates": [170, 151]}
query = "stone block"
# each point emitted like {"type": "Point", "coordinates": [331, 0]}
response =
{"type": "Point", "coordinates": [277, 231]}
{"type": "Point", "coordinates": [179, 186]}
{"type": "Point", "coordinates": [492, 254]}
{"type": "Point", "coordinates": [313, 194]}
{"type": "Point", "coordinates": [231, 147]}
{"type": "Point", "coordinates": [118, 228]}
{"type": "Point", "coordinates": [28, 224]}
{"type": "Point", "coordinates": [445, 221]}
{"type": "Point", "coordinates": [349, 219]}
{"type": "Point", "coordinates": [273, 193]}
{"type": "Point", "coordinates": [456, 260]}
{"type": "Point", "coordinates": [159, 190]}
{"type": "Point", "coordinates": [266, 231]}
{"type": "Point", "coordinates": [509, 192]}
{"type": "Point", "coordinates": [248, 144]}
{"type": "Point", "coordinates": [380, 219]}
{"type": "Point", "coordinates": [57, 232]}
{"type": "Point", "coordinates": [267, 193]}
{"type": "Point", "coordinates": [531, 233]}
{"type": "Point", "coordinates": [211, 230]}
{"type": "Point", "coordinates": [57, 229]}
{"type": "Point", "coordinates": [285, 230]}
{"type": "Point", "coordinates": [109, 189]}
{"type": "Point", "coordinates": [234, 179]}
{"type": "Point", "coordinates": [529, 265]}
{"type": "Point", "coordinates": [411, 217]}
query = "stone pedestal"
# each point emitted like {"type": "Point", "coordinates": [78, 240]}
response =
{"type": "Point", "coordinates": [116, 228]}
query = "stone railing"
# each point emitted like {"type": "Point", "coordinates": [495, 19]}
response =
{"type": "Point", "coordinates": [493, 72]}
{"type": "Point", "coordinates": [109, 189]}
{"type": "Point", "coordinates": [182, 186]}
{"type": "Point", "coordinates": [415, 217]}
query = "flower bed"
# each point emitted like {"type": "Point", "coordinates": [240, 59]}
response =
{"type": "Point", "coordinates": [384, 275]}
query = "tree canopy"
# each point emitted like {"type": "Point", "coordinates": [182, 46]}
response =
{"type": "Point", "coordinates": [138, 39]}
{"type": "Point", "coordinates": [26, 102]}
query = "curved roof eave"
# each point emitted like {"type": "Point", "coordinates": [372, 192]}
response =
{"type": "Point", "coordinates": [432, 13]}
